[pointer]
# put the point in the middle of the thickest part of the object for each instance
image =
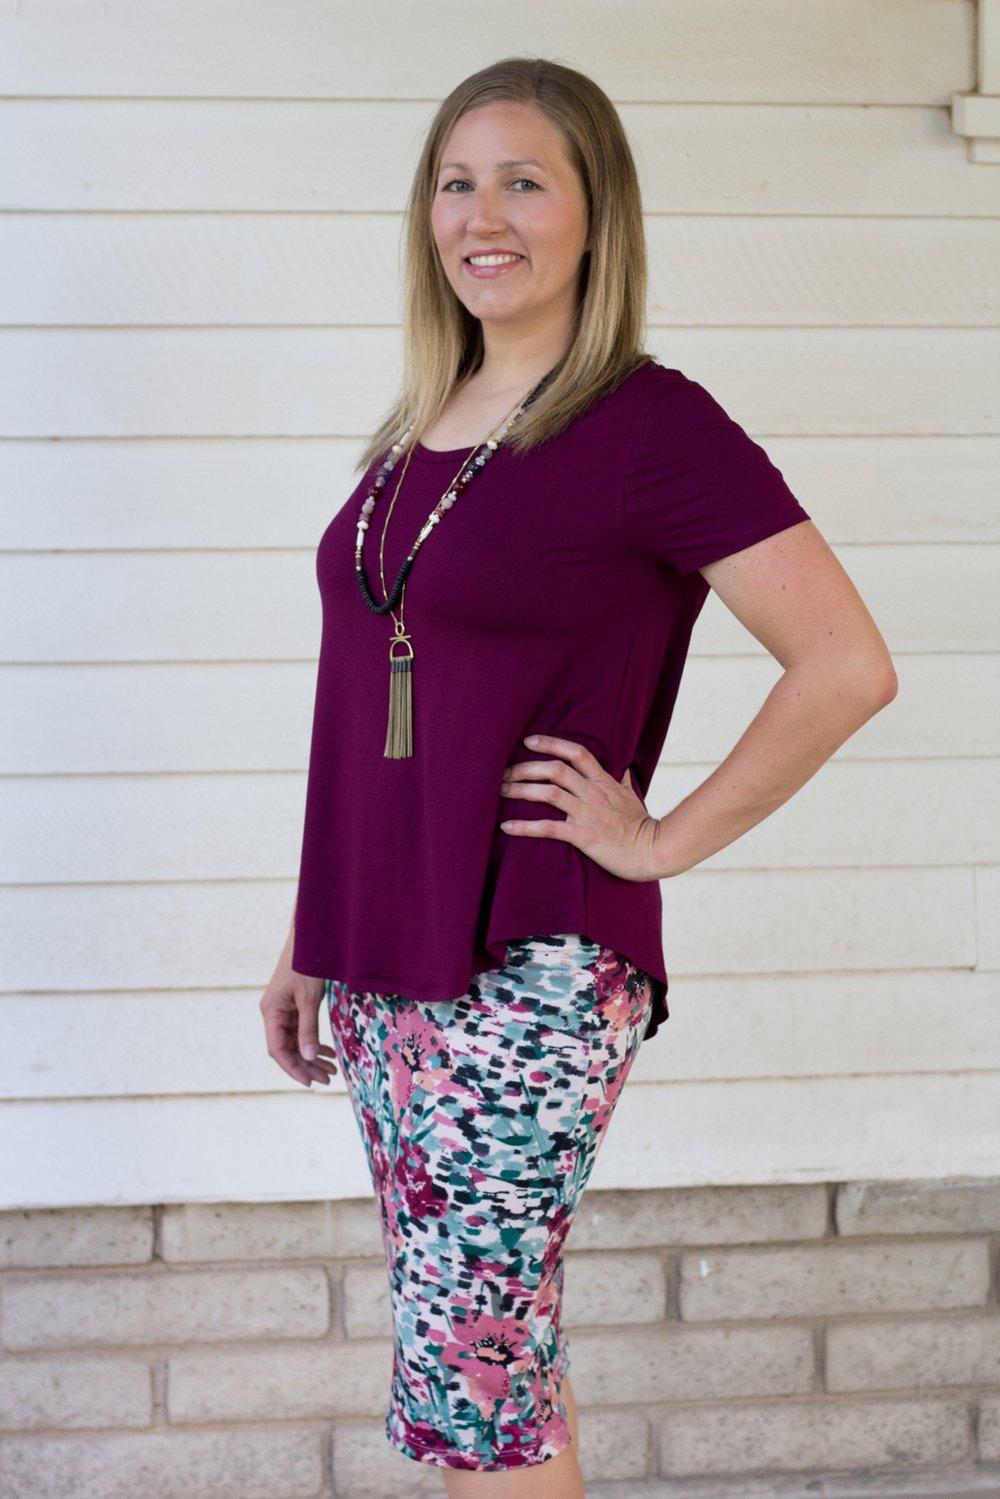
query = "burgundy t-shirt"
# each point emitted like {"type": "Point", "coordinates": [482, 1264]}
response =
{"type": "Point", "coordinates": [557, 596]}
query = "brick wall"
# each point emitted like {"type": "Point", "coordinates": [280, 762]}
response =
{"type": "Point", "coordinates": [764, 1338]}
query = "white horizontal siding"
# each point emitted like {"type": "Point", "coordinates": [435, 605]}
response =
{"type": "Point", "coordinates": [116, 494]}
{"type": "Point", "coordinates": [193, 606]}
{"type": "Point", "coordinates": [250, 716]}
{"type": "Point", "coordinates": [228, 933]}
{"type": "Point", "coordinates": [844, 51]}
{"type": "Point", "coordinates": [310, 382]}
{"type": "Point", "coordinates": [264, 1148]}
{"type": "Point", "coordinates": [198, 323]}
{"type": "Point", "coordinates": [95, 829]}
{"type": "Point", "coordinates": [157, 269]}
{"type": "Point", "coordinates": [222, 156]}
{"type": "Point", "coordinates": [742, 1026]}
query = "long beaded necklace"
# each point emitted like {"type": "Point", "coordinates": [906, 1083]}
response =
{"type": "Point", "coordinates": [399, 731]}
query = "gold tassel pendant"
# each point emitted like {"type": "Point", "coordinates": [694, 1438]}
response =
{"type": "Point", "coordinates": [399, 733]}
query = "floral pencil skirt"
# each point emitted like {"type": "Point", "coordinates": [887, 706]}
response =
{"type": "Point", "coordinates": [481, 1119]}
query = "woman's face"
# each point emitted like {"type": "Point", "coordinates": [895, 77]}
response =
{"type": "Point", "coordinates": [506, 184]}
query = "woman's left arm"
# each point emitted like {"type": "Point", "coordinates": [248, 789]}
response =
{"type": "Point", "coordinates": [793, 595]}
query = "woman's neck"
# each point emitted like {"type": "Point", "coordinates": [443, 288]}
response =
{"type": "Point", "coordinates": [511, 366]}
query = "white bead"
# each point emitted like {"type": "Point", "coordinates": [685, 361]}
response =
{"type": "Point", "coordinates": [362, 525]}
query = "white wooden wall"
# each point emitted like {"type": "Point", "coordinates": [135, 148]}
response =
{"type": "Point", "coordinates": [199, 296]}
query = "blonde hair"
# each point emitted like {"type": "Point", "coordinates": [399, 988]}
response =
{"type": "Point", "coordinates": [442, 341]}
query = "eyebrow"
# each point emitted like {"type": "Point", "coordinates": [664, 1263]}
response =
{"type": "Point", "coordinates": [460, 166]}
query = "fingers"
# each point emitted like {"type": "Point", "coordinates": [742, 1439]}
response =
{"type": "Point", "coordinates": [292, 1035]}
{"type": "Point", "coordinates": [578, 755]}
{"type": "Point", "coordinates": [546, 791]}
{"type": "Point", "coordinates": [538, 827]}
{"type": "Point", "coordinates": [308, 1028]}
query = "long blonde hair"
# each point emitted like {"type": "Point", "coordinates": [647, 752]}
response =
{"type": "Point", "coordinates": [442, 341]}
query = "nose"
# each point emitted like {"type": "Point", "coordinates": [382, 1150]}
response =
{"type": "Point", "coordinates": [486, 212]}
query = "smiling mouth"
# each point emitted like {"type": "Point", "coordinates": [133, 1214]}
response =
{"type": "Point", "coordinates": [491, 260]}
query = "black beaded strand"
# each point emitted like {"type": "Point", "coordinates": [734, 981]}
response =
{"type": "Point", "coordinates": [445, 503]}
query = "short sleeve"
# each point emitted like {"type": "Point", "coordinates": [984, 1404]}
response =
{"type": "Point", "coordinates": [697, 487]}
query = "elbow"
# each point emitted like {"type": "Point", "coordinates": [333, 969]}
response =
{"type": "Point", "coordinates": [875, 683]}
{"type": "Point", "coordinates": [863, 684]}
{"type": "Point", "coordinates": [884, 682]}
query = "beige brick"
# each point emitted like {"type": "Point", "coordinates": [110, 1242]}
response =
{"type": "Point", "coordinates": [613, 1288]}
{"type": "Point", "coordinates": [37, 1392]}
{"type": "Point", "coordinates": [271, 1230]}
{"type": "Point", "coordinates": [367, 1307]}
{"type": "Point", "coordinates": [886, 1355]}
{"type": "Point", "coordinates": [963, 1205]}
{"type": "Point", "coordinates": [614, 1444]}
{"type": "Point", "coordinates": [686, 1363]}
{"type": "Point", "coordinates": [174, 1306]}
{"type": "Point", "coordinates": [367, 1466]}
{"type": "Point", "coordinates": [167, 1465]}
{"type": "Point", "coordinates": [784, 1437]}
{"type": "Point", "coordinates": [989, 1429]}
{"type": "Point", "coordinates": [833, 1278]}
{"type": "Point", "coordinates": [272, 1382]}
{"type": "Point", "coordinates": [698, 1215]}
{"type": "Point", "coordinates": [41, 1237]}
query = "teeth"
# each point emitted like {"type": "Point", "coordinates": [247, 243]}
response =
{"type": "Point", "coordinates": [492, 259]}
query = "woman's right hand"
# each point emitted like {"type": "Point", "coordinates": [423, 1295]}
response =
{"type": "Point", "coordinates": [290, 1007]}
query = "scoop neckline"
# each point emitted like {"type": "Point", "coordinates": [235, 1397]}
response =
{"type": "Point", "coordinates": [443, 455]}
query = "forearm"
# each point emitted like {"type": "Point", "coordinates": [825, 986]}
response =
{"type": "Point", "coordinates": [807, 715]}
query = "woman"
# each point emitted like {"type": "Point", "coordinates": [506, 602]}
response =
{"type": "Point", "coordinates": [508, 598]}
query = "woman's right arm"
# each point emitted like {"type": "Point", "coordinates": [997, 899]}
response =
{"type": "Point", "coordinates": [290, 1007]}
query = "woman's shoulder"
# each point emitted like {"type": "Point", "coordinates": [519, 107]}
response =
{"type": "Point", "coordinates": [652, 381]}
{"type": "Point", "coordinates": [653, 387]}
{"type": "Point", "coordinates": [664, 402]}
{"type": "Point", "coordinates": [649, 385]}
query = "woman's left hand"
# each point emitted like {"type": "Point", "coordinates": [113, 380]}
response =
{"type": "Point", "coordinates": [604, 817]}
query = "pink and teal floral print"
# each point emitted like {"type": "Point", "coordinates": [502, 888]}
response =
{"type": "Point", "coordinates": [481, 1120]}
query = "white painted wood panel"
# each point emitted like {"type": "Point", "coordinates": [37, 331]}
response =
{"type": "Point", "coordinates": [254, 716]}
{"type": "Point", "coordinates": [158, 269]}
{"type": "Point", "coordinates": [199, 492]}
{"type": "Point", "coordinates": [987, 889]}
{"type": "Point", "coordinates": [156, 717]}
{"type": "Point", "coordinates": [312, 382]}
{"type": "Point", "coordinates": [219, 156]}
{"type": "Point", "coordinates": [804, 1129]}
{"type": "Point", "coordinates": [198, 606]}
{"type": "Point", "coordinates": [200, 219]}
{"type": "Point", "coordinates": [264, 1148]}
{"type": "Point", "coordinates": [229, 933]}
{"type": "Point", "coordinates": [898, 52]}
{"type": "Point", "coordinates": [110, 829]}
{"type": "Point", "coordinates": [281, 492]}
{"type": "Point", "coordinates": [110, 1045]}
{"type": "Point", "coordinates": [232, 382]}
